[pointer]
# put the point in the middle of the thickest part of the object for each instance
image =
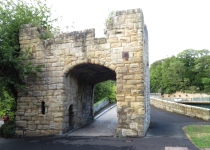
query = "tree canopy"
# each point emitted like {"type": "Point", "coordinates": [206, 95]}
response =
{"type": "Point", "coordinates": [15, 13]}
{"type": "Point", "coordinates": [14, 68]}
{"type": "Point", "coordinates": [189, 71]}
{"type": "Point", "coordinates": [105, 89]}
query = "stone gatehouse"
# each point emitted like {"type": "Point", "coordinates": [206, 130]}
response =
{"type": "Point", "coordinates": [74, 62]}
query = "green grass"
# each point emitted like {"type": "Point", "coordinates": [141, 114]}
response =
{"type": "Point", "coordinates": [101, 100]}
{"type": "Point", "coordinates": [199, 135]}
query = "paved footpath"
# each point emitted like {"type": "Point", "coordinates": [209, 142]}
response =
{"type": "Point", "coordinates": [165, 131]}
{"type": "Point", "coordinates": [105, 125]}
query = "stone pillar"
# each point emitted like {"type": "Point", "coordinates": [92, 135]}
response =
{"type": "Point", "coordinates": [128, 37]}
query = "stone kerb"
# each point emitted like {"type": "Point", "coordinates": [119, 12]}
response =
{"type": "Point", "coordinates": [124, 50]}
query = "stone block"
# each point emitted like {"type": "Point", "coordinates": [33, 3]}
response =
{"type": "Point", "coordinates": [56, 126]}
{"type": "Point", "coordinates": [112, 40]}
{"type": "Point", "coordinates": [134, 82]}
{"type": "Point", "coordinates": [127, 25]}
{"type": "Point", "coordinates": [129, 86]}
{"type": "Point", "coordinates": [19, 132]}
{"type": "Point", "coordinates": [129, 133]}
{"type": "Point", "coordinates": [120, 97]}
{"type": "Point", "coordinates": [140, 99]}
{"type": "Point", "coordinates": [120, 104]}
{"type": "Point", "coordinates": [37, 93]}
{"type": "Point", "coordinates": [57, 115]}
{"type": "Point", "coordinates": [104, 46]}
{"type": "Point", "coordinates": [21, 124]}
{"type": "Point", "coordinates": [131, 32]}
{"type": "Point", "coordinates": [124, 39]}
{"type": "Point", "coordinates": [52, 86]}
{"type": "Point", "coordinates": [130, 98]}
{"type": "Point", "coordinates": [58, 120]}
{"type": "Point", "coordinates": [121, 69]}
{"type": "Point", "coordinates": [59, 40]}
{"type": "Point", "coordinates": [116, 45]}
{"type": "Point", "coordinates": [136, 105]}
{"type": "Point", "coordinates": [136, 70]}
{"type": "Point", "coordinates": [25, 41]}
{"type": "Point", "coordinates": [138, 77]}
{"type": "Point", "coordinates": [138, 25]}
{"type": "Point", "coordinates": [31, 127]}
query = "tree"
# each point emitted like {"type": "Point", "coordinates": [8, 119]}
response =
{"type": "Point", "coordinates": [156, 76]}
{"type": "Point", "coordinates": [202, 68]}
{"type": "Point", "coordinates": [190, 70]}
{"type": "Point", "coordinates": [13, 69]}
{"type": "Point", "coordinates": [105, 89]}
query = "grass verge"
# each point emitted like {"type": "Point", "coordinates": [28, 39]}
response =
{"type": "Point", "coordinates": [199, 135]}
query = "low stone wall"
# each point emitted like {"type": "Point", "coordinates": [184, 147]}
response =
{"type": "Point", "coordinates": [100, 105]}
{"type": "Point", "coordinates": [179, 94]}
{"type": "Point", "coordinates": [155, 94]}
{"type": "Point", "coordinates": [191, 111]}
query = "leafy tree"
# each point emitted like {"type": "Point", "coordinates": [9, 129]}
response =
{"type": "Point", "coordinates": [188, 71]}
{"type": "Point", "coordinates": [105, 89]}
{"type": "Point", "coordinates": [13, 70]}
{"type": "Point", "coordinates": [156, 76]}
{"type": "Point", "coordinates": [202, 68]}
{"type": "Point", "coordinates": [172, 70]}
{"type": "Point", "coordinates": [7, 106]}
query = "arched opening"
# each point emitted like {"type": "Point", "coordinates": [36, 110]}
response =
{"type": "Point", "coordinates": [80, 82]}
{"type": "Point", "coordinates": [104, 95]}
{"type": "Point", "coordinates": [71, 113]}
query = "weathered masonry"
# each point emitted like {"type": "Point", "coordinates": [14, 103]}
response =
{"type": "Point", "coordinates": [74, 62]}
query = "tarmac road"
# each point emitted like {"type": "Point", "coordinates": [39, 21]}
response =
{"type": "Point", "coordinates": [165, 131]}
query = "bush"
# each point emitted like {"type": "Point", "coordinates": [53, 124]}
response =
{"type": "Point", "coordinates": [105, 89]}
{"type": "Point", "coordinates": [8, 129]}
{"type": "Point", "coordinates": [193, 88]}
{"type": "Point", "coordinates": [8, 102]}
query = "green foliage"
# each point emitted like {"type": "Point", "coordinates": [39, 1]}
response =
{"type": "Point", "coordinates": [108, 20]}
{"type": "Point", "coordinates": [13, 68]}
{"type": "Point", "coordinates": [156, 77]}
{"type": "Point", "coordinates": [8, 129]}
{"type": "Point", "coordinates": [10, 104]}
{"type": "Point", "coordinates": [105, 89]}
{"type": "Point", "coordinates": [112, 95]}
{"type": "Point", "coordinates": [101, 100]}
{"type": "Point", "coordinates": [188, 71]}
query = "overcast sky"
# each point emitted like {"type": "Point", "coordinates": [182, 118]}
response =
{"type": "Point", "coordinates": [173, 25]}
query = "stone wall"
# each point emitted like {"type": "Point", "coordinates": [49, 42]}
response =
{"type": "Point", "coordinates": [74, 63]}
{"type": "Point", "coordinates": [100, 105]}
{"type": "Point", "coordinates": [187, 110]}
{"type": "Point", "coordinates": [179, 94]}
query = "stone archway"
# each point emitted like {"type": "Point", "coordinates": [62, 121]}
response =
{"type": "Point", "coordinates": [80, 81]}
{"type": "Point", "coordinates": [124, 52]}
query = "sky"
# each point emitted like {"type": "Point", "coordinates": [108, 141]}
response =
{"type": "Point", "coordinates": [173, 25]}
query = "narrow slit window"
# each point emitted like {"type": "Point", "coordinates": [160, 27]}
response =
{"type": "Point", "coordinates": [43, 107]}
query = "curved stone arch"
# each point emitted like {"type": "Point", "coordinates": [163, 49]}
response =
{"type": "Point", "coordinates": [104, 63]}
